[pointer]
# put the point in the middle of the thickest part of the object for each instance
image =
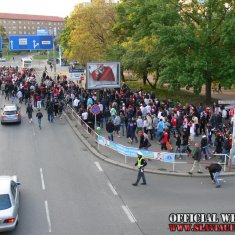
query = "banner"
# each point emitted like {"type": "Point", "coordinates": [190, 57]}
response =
{"type": "Point", "coordinates": [132, 152]}
{"type": "Point", "coordinates": [102, 75]}
{"type": "Point", "coordinates": [101, 140]}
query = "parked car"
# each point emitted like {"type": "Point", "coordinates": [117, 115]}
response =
{"type": "Point", "coordinates": [3, 59]}
{"type": "Point", "coordinates": [10, 114]}
{"type": "Point", "coordinates": [9, 202]}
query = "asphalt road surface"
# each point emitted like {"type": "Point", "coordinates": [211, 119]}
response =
{"type": "Point", "coordinates": [67, 191]}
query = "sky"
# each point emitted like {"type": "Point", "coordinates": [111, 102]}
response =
{"type": "Point", "coordinates": [60, 8]}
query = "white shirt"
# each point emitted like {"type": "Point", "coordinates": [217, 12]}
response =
{"type": "Point", "coordinates": [84, 115]}
{"type": "Point", "coordinates": [76, 102]}
{"type": "Point", "coordinates": [224, 113]}
{"type": "Point", "coordinates": [139, 122]}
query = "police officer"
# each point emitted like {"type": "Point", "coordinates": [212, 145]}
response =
{"type": "Point", "coordinates": [141, 163]}
{"type": "Point", "coordinates": [214, 170]}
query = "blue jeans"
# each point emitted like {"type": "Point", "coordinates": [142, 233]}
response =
{"type": "Point", "coordinates": [50, 117]}
{"type": "Point", "coordinates": [122, 126]}
{"type": "Point", "coordinates": [40, 123]}
{"type": "Point", "coordinates": [159, 135]}
{"type": "Point", "coordinates": [216, 178]}
{"type": "Point", "coordinates": [110, 136]}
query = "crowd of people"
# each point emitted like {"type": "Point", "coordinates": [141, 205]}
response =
{"type": "Point", "coordinates": [136, 115]}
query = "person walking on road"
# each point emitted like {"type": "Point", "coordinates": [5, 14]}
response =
{"type": "Point", "coordinates": [215, 170]}
{"type": "Point", "coordinates": [39, 115]}
{"type": "Point", "coordinates": [141, 163]}
{"type": "Point", "coordinates": [110, 129]}
{"type": "Point", "coordinates": [29, 111]}
{"type": "Point", "coordinates": [196, 155]}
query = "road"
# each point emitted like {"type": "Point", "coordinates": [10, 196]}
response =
{"type": "Point", "coordinates": [67, 191]}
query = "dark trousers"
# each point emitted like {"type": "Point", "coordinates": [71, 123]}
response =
{"type": "Point", "coordinates": [141, 175]}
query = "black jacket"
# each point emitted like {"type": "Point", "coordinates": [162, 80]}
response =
{"type": "Point", "coordinates": [214, 167]}
{"type": "Point", "coordinates": [109, 127]}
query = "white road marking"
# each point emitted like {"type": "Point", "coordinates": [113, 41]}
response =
{"type": "Point", "coordinates": [112, 188]}
{"type": "Point", "coordinates": [42, 179]}
{"type": "Point", "coordinates": [98, 166]}
{"type": "Point", "coordinates": [48, 216]}
{"type": "Point", "coordinates": [34, 133]}
{"type": "Point", "coordinates": [129, 214]}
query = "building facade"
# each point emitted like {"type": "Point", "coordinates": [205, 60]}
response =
{"type": "Point", "coordinates": [22, 24]}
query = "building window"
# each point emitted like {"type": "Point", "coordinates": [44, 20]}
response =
{"type": "Point", "coordinates": [19, 21]}
{"type": "Point", "coordinates": [38, 22]}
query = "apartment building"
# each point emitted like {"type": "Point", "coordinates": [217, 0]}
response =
{"type": "Point", "coordinates": [22, 24]}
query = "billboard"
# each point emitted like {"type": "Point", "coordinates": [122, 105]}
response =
{"type": "Point", "coordinates": [42, 32]}
{"type": "Point", "coordinates": [102, 75]}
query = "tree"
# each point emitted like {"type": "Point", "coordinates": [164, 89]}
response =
{"type": "Point", "coordinates": [198, 44]}
{"type": "Point", "coordinates": [88, 32]}
{"type": "Point", "coordinates": [4, 38]}
{"type": "Point", "coordinates": [138, 44]}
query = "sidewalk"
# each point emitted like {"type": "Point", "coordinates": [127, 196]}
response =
{"type": "Point", "coordinates": [182, 167]}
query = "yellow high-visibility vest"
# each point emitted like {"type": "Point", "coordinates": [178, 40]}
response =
{"type": "Point", "coordinates": [139, 163]}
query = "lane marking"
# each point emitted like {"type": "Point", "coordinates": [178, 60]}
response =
{"type": "Point", "coordinates": [98, 166]}
{"type": "Point", "coordinates": [129, 214]}
{"type": "Point", "coordinates": [112, 188]}
{"type": "Point", "coordinates": [48, 216]}
{"type": "Point", "coordinates": [34, 133]}
{"type": "Point", "coordinates": [42, 179]}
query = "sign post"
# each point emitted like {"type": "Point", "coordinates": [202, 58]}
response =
{"type": "Point", "coordinates": [232, 102]}
{"type": "Point", "coordinates": [30, 42]}
{"type": "Point", "coordinates": [95, 109]}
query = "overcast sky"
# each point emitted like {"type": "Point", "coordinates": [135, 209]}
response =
{"type": "Point", "coordinates": [39, 7]}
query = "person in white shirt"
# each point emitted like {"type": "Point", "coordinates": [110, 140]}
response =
{"type": "Point", "coordinates": [76, 103]}
{"type": "Point", "coordinates": [148, 108]}
{"type": "Point", "coordinates": [224, 115]}
{"type": "Point", "coordinates": [139, 123]}
{"type": "Point", "coordinates": [84, 116]}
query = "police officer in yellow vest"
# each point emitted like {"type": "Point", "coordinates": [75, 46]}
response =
{"type": "Point", "coordinates": [141, 163]}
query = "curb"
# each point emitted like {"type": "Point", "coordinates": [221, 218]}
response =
{"type": "Point", "coordinates": [123, 165]}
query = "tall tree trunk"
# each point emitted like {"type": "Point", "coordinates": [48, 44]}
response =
{"type": "Point", "coordinates": [122, 76]}
{"type": "Point", "coordinates": [145, 77]}
{"type": "Point", "coordinates": [208, 90]}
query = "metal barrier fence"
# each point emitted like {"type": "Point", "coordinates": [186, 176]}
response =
{"type": "Point", "coordinates": [92, 132]}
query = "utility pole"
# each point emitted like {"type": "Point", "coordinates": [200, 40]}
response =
{"type": "Point", "coordinates": [54, 57]}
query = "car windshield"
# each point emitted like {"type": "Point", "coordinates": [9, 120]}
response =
{"type": "Point", "coordinates": [9, 112]}
{"type": "Point", "coordinates": [5, 201]}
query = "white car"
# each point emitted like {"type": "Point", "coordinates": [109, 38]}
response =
{"type": "Point", "coordinates": [9, 202]}
{"type": "Point", "coordinates": [3, 59]}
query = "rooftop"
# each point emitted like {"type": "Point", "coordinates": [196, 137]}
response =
{"type": "Point", "coordinates": [12, 16]}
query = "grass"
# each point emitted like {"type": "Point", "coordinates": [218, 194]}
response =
{"type": "Point", "coordinates": [183, 97]}
{"type": "Point", "coordinates": [45, 56]}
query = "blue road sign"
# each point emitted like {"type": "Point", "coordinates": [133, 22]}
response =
{"type": "Point", "coordinates": [42, 31]}
{"type": "Point", "coordinates": [95, 109]}
{"type": "Point", "coordinates": [0, 43]}
{"type": "Point", "coordinates": [30, 42]}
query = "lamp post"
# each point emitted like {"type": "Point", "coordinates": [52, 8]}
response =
{"type": "Point", "coordinates": [54, 57]}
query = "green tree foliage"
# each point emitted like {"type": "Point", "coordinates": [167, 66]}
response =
{"type": "Point", "coordinates": [87, 34]}
{"type": "Point", "coordinates": [139, 46]}
{"type": "Point", "coordinates": [197, 43]}
{"type": "Point", "coordinates": [189, 43]}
